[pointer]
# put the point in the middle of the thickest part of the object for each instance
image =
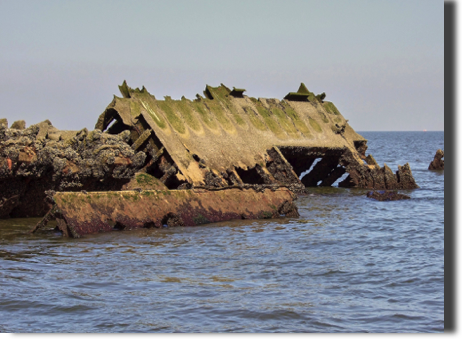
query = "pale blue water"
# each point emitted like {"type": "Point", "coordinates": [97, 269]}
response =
{"type": "Point", "coordinates": [348, 264]}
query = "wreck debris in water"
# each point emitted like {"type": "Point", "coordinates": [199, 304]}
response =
{"type": "Point", "coordinates": [80, 214]}
{"type": "Point", "coordinates": [223, 141]}
{"type": "Point", "coordinates": [387, 195]}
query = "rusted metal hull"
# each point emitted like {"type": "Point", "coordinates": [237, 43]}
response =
{"type": "Point", "coordinates": [79, 214]}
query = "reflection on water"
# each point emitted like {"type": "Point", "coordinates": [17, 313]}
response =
{"type": "Point", "coordinates": [348, 264]}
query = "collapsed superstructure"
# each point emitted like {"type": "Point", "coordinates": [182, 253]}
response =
{"type": "Point", "coordinates": [224, 141]}
{"type": "Point", "coordinates": [226, 138]}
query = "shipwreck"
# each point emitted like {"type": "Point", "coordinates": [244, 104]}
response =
{"type": "Point", "coordinates": [156, 163]}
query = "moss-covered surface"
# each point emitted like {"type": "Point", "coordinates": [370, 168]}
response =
{"type": "Point", "coordinates": [324, 117]}
{"type": "Point", "coordinates": [217, 109]}
{"type": "Point", "coordinates": [147, 180]}
{"type": "Point", "coordinates": [297, 96]}
{"type": "Point", "coordinates": [124, 89]}
{"type": "Point", "coordinates": [171, 115]}
{"type": "Point", "coordinates": [331, 108]}
{"type": "Point", "coordinates": [238, 119]}
{"type": "Point", "coordinates": [303, 89]}
{"type": "Point", "coordinates": [255, 119]}
{"type": "Point", "coordinates": [235, 114]}
{"type": "Point", "coordinates": [285, 122]}
{"type": "Point", "coordinates": [240, 90]}
{"type": "Point", "coordinates": [270, 122]}
{"type": "Point", "coordinates": [153, 112]}
{"type": "Point", "coordinates": [135, 109]}
{"type": "Point", "coordinates": [300, 125]}
{"type": "Point", "coordinates": [221, 94]}
{"type": "Point", "coordinates": [315, 125]}
{"type": "Point", "coordinates": [184, 107]}
{"type": "Point", "coordinates": [319, 97]}
{"type": "Point", "coordinates": [205, 114]}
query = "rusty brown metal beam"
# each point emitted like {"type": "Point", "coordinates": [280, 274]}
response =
{"type": "Point", "coordinates": [79, 214]}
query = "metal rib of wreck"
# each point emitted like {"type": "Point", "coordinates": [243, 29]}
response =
{"type": "Point", "coordinates": [243, 155]}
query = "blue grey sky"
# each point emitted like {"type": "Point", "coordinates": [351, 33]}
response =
{"type": "Point", "coordinates": [379, 61]}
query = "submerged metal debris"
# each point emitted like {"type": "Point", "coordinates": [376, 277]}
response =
{"type": "Point", "coordinates": [80, 214]}
{"type": "Point", "coordinates": [224, 140]}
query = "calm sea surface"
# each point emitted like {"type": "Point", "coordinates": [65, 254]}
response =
{"type": "Point", "coordinates": [348, 264]}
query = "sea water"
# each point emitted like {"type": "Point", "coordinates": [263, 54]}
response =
{"type": "Point", "coordinates": [347, 264]}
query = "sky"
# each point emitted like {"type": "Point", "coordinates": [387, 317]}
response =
{"type": "Point", "coordinates": [379, 61]}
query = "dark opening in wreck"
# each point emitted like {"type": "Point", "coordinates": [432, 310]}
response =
{"type": "Point", "coordinates": [320, 165]}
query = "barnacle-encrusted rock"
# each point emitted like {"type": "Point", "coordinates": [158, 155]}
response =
{"type": "Point", "coordinates": [3, 123]}
{"type": "Point", "coordinates": [387, 195]}
{"type": "Point", "coordinates": [19, 124]}
{"type": "Point", "coordinates": [41, 157]}
{"type": "Point", "coordinates": [438, 162]}
{"type": "Point", "coordinates": [373, 176]}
